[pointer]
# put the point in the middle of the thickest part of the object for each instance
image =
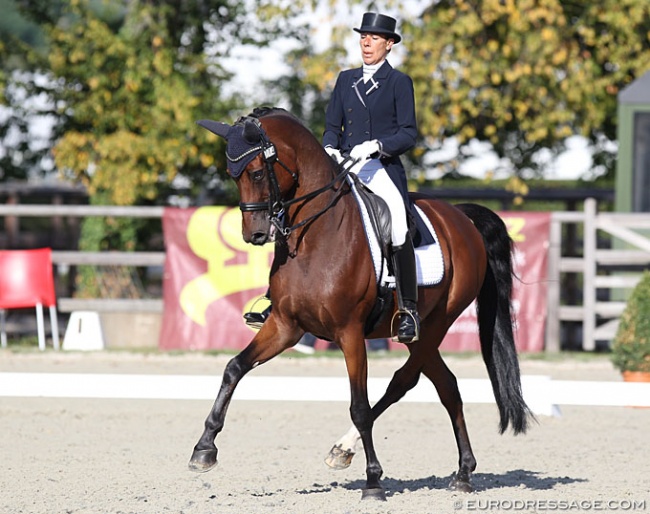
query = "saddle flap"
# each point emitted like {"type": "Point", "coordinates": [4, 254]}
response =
{"type": "Point", "coordinates": [378, 212]}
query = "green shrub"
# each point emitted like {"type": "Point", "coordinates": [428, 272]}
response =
{"type": "Point", "coordinates": [631, 346]}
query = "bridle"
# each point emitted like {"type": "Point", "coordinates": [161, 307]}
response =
{"type": "Point", "coordinates": [276, 206]}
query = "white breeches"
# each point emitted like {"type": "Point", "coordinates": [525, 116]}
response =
{"type": "Point", "coordinates": [373, 175]}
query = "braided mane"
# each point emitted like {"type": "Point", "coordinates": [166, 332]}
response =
{"type": "Point", "coordinates": [261, 112]}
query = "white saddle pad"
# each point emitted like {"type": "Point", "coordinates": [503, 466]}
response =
{"type": "Point", "coordinates": [430, 265]}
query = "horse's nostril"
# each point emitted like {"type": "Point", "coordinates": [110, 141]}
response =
{"type": "Point", "coordinates": [259, 237]}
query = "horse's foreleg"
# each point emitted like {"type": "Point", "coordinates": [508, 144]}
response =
{"type": "Point", "coordinates": [204, 456]}
{"type": "Point", "coordinates": [344, 449]}
{"type": "Point", "coordinates": [447, 387]}
{"type": "Point", "coordinates": [357, 367]}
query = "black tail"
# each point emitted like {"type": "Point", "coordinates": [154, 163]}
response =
{"type": "Point", "coordinates": [495, 319]}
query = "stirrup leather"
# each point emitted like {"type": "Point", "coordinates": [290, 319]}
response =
{"type": "Point", "coordinates": [394, 336]}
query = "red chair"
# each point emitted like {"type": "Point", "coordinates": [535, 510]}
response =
{"type": "Point", "coordinates": [26, 280]}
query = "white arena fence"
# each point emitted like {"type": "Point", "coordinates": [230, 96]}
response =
{"type": "Point", "coordinates": [544, 395]}
{"type": "Point", "coordinates": [599, 319]}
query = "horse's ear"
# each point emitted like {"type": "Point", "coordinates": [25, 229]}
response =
{"type": "Point", "coordinates": [251, 132]}
{"type": "Point", "coordinates": [216, 127]}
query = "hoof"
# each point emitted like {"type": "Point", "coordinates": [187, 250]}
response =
{"type": "Point", "coordinates": [459, 485]}
{"type": "Point", "coordinates": [339, 458]}
{"type": "Point", "coordinates": [203, 460]}
{"type": "Point", "coordinates": [376, 493]}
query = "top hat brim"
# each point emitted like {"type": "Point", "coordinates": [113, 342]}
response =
{"type": "Point", "coordinates": [382, 32]}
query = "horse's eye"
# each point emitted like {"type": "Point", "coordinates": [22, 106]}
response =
{"type": "Point", "coordinates": [257, 175]}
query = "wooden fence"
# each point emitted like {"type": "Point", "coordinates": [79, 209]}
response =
{"type": "Point", "coordinates": [613, 271]}
{"type": "Point", "coordinates": [609, 269]}
{"type": "Point", "coordinates": [113, 258]}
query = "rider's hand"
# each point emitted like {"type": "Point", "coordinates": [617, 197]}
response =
{"type": "Point", "coordinates": [334, 153]}
{"type": "Point", "coordinates": [365, 150]}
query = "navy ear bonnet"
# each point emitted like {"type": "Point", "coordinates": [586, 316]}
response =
{"type": "Point", "coordinates": [245, 141]}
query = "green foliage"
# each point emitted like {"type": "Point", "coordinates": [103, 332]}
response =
{"type": "Point", "coordinates": [305, 87]}
{"type": "Point", "coordinates": [129, 105]}
{"type": "Point", "coordinates": [14, 25]}
{"type": "Point", "coordinates": [127, 80]}
{"type": "Point", "coordinates": [124, 84]}
{"type": "Point", "coordinates": [631, 346]}
{"type": "Point", "coordinates": [19, 40]}
{"type": "Point", "coordinates": [103, 234]}
{"type": "Point", "coordinates": [524, 75]}
{"type": "Point", "coordinates": [3, 73]}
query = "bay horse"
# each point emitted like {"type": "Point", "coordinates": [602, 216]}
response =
{"type": "Point", "coordinates": [322, 281]}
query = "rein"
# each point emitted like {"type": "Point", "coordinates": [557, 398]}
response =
{"type": "Point", "coordinates": [287, 230]}
{"type": "Point", "coordinates": [276, 206]}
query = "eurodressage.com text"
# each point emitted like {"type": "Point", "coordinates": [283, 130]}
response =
{"type": "Point", "coordinates": [551, 505]}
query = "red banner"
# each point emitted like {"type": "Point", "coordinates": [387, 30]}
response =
{"type": "Point", "coordinates": [212, 277]}
{"type": "Point", "coordinates": [530, 233]}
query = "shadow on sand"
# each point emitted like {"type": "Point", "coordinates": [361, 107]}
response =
{"type": "Point", "coordinates": [517, 478]}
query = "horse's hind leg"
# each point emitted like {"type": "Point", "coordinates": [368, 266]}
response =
{"type": "Point", "coordinates": [406, 378]}
{"type": "Point", "coordinates": [447, 386]}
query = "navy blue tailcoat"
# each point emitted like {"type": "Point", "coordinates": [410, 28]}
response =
{"type": "Point", "coordinates": [382, 108]}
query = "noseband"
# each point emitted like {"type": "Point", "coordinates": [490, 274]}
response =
{"type": "Point", "coordinates": [276, 205]}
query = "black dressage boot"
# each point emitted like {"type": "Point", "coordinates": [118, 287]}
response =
{"type": "Point", "coordinates": [257, 319]}
{"type": "Point", "coordinates": [406, 282]}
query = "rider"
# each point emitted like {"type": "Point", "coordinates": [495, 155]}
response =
{"type": "Point", "coordinates": [371, 117]}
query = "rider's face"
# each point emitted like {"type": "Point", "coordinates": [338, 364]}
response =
{"type": "Point", "coordinates": [374, 47]}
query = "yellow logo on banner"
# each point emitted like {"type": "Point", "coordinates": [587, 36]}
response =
{"type": "Point", "coordinates": [516, 226]}
{"type": "Point", "coordinates": [214, 234]}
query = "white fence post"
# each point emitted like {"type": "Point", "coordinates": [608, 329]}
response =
{"type": "Point", "coordinates": [553, 287]}
{"type": "Point", "coordinates": [589, 276]}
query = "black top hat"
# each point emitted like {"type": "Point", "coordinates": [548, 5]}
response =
{"type": "Point", "coordinates": [375, 23]}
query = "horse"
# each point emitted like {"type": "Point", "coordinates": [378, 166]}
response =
{"type": "Point", "coordinates": [322, 280]}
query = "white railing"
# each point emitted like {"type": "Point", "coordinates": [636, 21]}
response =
{"type": "Point", "coordinates": [112, 258]}
{"type": "Point", "coordinates": [622, 226]}
{"type": "Point", "coordinates": [631, 249]}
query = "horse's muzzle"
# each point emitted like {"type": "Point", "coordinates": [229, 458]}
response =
{"type": "Point", "coordinates": [257, 228]}
{"type": "Point", "coordinates": [261, 237]}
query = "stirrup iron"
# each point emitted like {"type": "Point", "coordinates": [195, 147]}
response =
{"type": "Point", "coordinates": [394, 336]}
{"type": "Point", "coordinates": [256, 319]}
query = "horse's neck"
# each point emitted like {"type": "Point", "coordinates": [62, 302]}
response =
{"type": "Point", "coordinates": [334, 209]}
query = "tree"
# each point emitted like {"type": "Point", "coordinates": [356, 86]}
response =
{"type": "Point", "coordinates": [20, 151]}
{"type": "Point", "coordinates": [125, 83]}
{"type": "Point", "coordinates": [306, 89]}
{"type": "Point", "coordinates": [524, 75]}
{"type": "Point", "coordinates": [128, 80]}
{"type": "Point", "coordinates": [127, 102]}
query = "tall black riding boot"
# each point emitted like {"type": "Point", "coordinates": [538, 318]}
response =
{"type": "Point", "coordinates": [406, 282]}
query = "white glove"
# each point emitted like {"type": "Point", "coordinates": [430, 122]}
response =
{"type": "Point", "coordinates": [334, 153]}
{"type": "Point", "coordinates": [365, 150]}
